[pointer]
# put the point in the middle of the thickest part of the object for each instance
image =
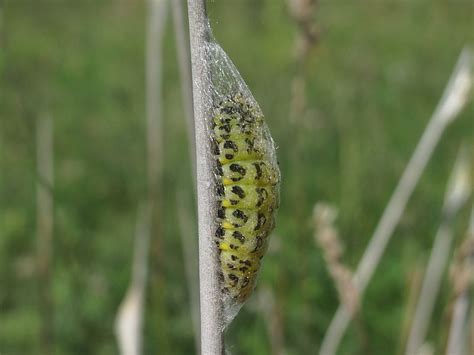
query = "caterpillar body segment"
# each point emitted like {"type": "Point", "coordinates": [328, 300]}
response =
{"type": "Point", "coordinates": [248, 172]}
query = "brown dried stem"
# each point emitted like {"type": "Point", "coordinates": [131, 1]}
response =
{"type": "Point", "coordinates": [303, 13]}
{"type": "Point", "coordinates": [327, 237]}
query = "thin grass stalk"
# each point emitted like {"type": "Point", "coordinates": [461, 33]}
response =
{"type": "Point", "coordinates": [1, 23]}
{"type": "Point", "coordinates": [452, 102]}
{"type": "Point", "coordinates": [413, 288]}
{"type": "Point", "coordinates": [458, 332]}
{"type": "Point", "coordinates": [471, 334]}
{"type": "Point", "coordinates": [426, 349]}
{"type": "Point", "coordinates": [303, 14]}
{"type": "Point", "coordinates": [457, 195]}
{"type": "Point", "coordinates": [210, 301]}
{"type": "Point", "coordinates": [45, 226]}
{"type": "Point", "coordinates": [327, 238]}
{"type": "Point", "coordinates": [184, 60]}
{"type": "Point", "coordinates": [129, 321]}
{"type": "Point", "coordinates": [456, 342]}
{"type": "Point", "coordinates": [187, 232]}
{"type": "Point", "coordinates": [154, 96]}
{"type": "Point", "coordinates": [269, 308]}
{"type": "Point", "coordinates": [156, 25]}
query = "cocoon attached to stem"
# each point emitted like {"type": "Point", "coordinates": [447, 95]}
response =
{"type": "Point", "coordinates": [237, 181]}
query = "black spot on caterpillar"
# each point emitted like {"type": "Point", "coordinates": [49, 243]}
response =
{"type": "Point", "coordinates": [248, 180]}
{"type": "Point", "coordinates": [237, 235]}
{"type": "Point", "coordinates": [238, 191]}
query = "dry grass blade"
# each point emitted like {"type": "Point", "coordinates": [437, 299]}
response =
{"type": "Point", "coordinates": [184, 60]}
{"type": "Point", "coordinates": [471, 335]}
{"type": "Point", "coordinates": [413, 288]}
{"type": "Point", "coordinates": [128, 324]}
{"type": "Point", "coordinates": [453, 100]}
{"type": "Point", "coordinates": [426, 349]}
{"type": "Point", "coordinates": [188, 234]}
{"type": "Point", "coordinates": [154, 101]}
{"type": "Point", "coordinates": [268, 306]}
{"type": "Point", "coordinates": [45, 225]}
{"type": "Point", "coordinates": [457, 194]}
{"type": "Point", "coordinates": [303, 13]}
{"type": "Point", "coordinates": [462, 277]}
{"type": "Point", "coordinates": [327, 237]}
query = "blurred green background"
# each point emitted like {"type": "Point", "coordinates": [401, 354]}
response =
{"type": "Point", "coordinates": [373, 80]}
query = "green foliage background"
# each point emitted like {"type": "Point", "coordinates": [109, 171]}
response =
{"type": "Point", "coordinates": [373, 81]}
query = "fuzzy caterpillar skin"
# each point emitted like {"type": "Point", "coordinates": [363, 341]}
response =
{"type": "Point", "coordinates": [248, 180]}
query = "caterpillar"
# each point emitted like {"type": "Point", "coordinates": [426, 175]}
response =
{"type": "Point", "coordinates": [247, 181]}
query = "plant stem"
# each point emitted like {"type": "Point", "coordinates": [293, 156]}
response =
{"type": "Point", "coordinates": [129, 320]}
{"type": "Point", "coordinates": [185, 217]}
{"type": "Point", "coordinates": [154, 97]}
{"type": "Point", "coordinates": [182, 46]}
{"type": "Point", "coordinates": [45, 226]}
{"type": "Point", "coordinates": [187, 233]}
{"type": "Point", "coordinates": [459, 329]}
{"type": "Point", "coordinates": [210, 300]}
{"type": "Point", "coordinates": [155, 31]}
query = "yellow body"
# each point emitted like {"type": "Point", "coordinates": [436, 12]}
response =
{"type": "Point", "coordinates": [248, 186]}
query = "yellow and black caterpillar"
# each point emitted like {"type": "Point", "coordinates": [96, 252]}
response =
{"type": "Point", "coordinates": [248, 180]}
